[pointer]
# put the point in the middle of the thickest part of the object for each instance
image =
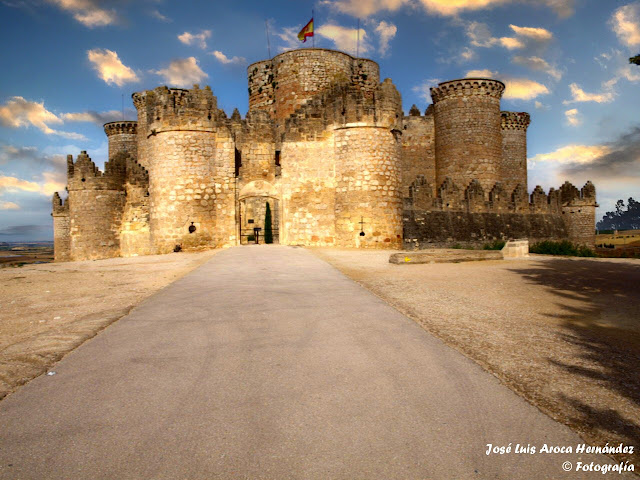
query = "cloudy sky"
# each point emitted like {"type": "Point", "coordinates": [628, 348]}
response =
{"type": "Point", "coordinates": [68, 65]}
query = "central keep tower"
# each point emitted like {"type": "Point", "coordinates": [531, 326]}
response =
{"type": "Point", "coordinates": [284, 83]}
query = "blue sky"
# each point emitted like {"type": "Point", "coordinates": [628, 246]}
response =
{"type": "Point", "coordinates": [67, 64]}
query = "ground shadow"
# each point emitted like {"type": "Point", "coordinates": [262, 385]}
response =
{"type": "Point", "coordinates": [599, 309]}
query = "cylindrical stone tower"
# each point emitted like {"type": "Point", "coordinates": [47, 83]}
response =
{"type": "Point", "coordinates": [468, 136]}
{"type": "Point", "coordinates": [190, 158]}
{"type": "Point", "coordinates": [368, 200]}
{"type": "Point", "coordinates": [513, 170]}
{"type": "Point", "coordinates": [122, 137]}
{"type": "Point", "coordinates": [286, 82]}
{"type": "Point", "coordinates": [96, 201]}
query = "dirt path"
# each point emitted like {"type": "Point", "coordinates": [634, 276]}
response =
{"type": "Point", "coordinates": [562, 333]}
{"type": "Point", "coordinates": [48, 310]}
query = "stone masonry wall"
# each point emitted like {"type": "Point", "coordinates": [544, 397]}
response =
{"type": "Point", "coordinates": [513, 169]}
{"type": "Point", "coordinates": [123, 138]}
{"type": "Point", "coordinates": [292, 78]}
{"type": "Point", "coordinates": [308, 187]}
{"type": "Point", "coordinates": [418, 149]}
{"type": "Point", "coordinates": [61, 234]}
{"type": "Point", "coordinates": [368, 188]}
{"type": "Point", "coordinates": [468, 132]}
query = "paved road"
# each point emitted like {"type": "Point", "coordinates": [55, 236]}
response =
{"type": "Point", "coordinates": [267, 363]}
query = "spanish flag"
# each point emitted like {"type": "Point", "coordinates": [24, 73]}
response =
{"type": "Point", "coordinates": [307, 31]}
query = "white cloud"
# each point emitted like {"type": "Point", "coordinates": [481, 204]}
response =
{"type": "Point", "coordinates": [19, 112]}
{"type": "Point", "coordinates": [386, 31]}
{"type": "Point", "coordinates": [345, 38]}
{"type": "Point", "coordinates": [571, 154]}
{"type": "Point", "coordinates": [515, 88]}
{"type": "Point", "coordinates": [87, 12]}
{"type": "Point", "coordinates": [423, 90]}
{"type": "Point", "coordinates": [9, 206]}
{"type": "Point", "coordinates": [540, 106]}
{"type": "Point", "coordinates": [109, 67]}
{"type": "Point", "coordinates": [534, 37]}
{"type": "Point", "coordinates": [625, 22]}
{"type": "Point", "coordinates": [183, 72]}
{"type": "Point", "coordinates": [538, 64]}
{"type": "Point", "coordinates": [289, 35]}
{"type": "Point", "coordinates": [198, 39]}
{"type": "Point", "coordinates": [99, 118]}
{"type": "Point", "coordinates": [365, 8]}
{"type": "Point", "coordinates": [157, 15]}
{"type": "Point", "coordinates": [534, 33]}
{"type": "Point", "coordinates": [578, 96]}
{"type": "Point", "coordinates": [222, 58]}
{"type": "Point", "coordinates": [14, 184]}
{"type": "Point", "coordinates": [573, 118]}
{"type": "Point", "coordinates": [467, 54]}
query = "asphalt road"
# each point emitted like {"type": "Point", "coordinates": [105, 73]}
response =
{"type": "Point", "coordinates": [267, 363]}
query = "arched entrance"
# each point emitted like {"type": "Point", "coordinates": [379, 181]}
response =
{"type": "Point", "coordinates": [253, 200]}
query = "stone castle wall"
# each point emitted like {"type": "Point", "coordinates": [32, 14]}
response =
{"type": "Point", "coordinates": [468, 135]}
{"type": "Point", "coordinates": [418, 149]}
{"type": "Point", "coordinates": [61, 234]}
{"type": "Point", "coordinates": [283, 84]}
{"type": "Point", "coordinates": [513, 169]}
{"type": "Point", "coordinates": [368, 188]}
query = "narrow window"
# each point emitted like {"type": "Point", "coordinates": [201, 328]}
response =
{"type": "Point", "coordinates": [238, 162]}
{"type": "Point", "coordinates": [277, 158]}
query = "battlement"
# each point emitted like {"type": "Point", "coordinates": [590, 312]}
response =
{"type": "Point", "coordinates": [165, 109]}
{"type": "Point", "coordinates": [480, 87]}
{"type": "Point", "coordinates": [128, 127]}
{"type": "Point", "coordinates": [473, 198]}
{"type": "Point", "coordinates": [284, 83]}
{"type": "Point", "coordinates": [515, 120]}
{"type": "Point", "coordinates": [84, 175]}
{"type": "Point", "coordinates": [59, 206]}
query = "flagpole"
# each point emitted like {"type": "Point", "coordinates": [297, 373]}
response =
{"type": "Point", "coordinates": [266, 26]}
{"type": "Point", "coordinates": [313, 37]}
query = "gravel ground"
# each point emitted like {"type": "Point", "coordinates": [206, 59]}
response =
{"type": "Point", "coordinates": [562, 333]}
{"type": "Point", "coordinates": [48, 310]}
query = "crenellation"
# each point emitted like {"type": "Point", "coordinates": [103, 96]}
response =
{"type": "Point", "coordinates": [326, 145]}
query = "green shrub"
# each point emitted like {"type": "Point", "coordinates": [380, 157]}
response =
{"type": "Point", "coordinates": [251, 238]}
{"type": "Point", "coordinates": [456, 246]}
{"type": "Point", "coordinates": [495, 245]}
{"type": "Point", "coordinates": [564, 247]}
{"type": "Point", "coordinates": [268, 229]}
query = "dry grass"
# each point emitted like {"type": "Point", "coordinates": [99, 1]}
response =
{"type": "Point", "coordinates": [48, 310]}
{"type": "Point", "coordinates": [563, 333]}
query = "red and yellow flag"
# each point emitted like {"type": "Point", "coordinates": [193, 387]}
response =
{"type": "Point", "coordinates": [307, 31]}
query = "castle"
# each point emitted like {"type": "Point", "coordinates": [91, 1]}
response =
{"type": "Point", "coordinates": [327, 145]}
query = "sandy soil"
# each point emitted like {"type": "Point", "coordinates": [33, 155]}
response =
{"type": "Point", "coordinates": [562, 333]}
{"type": "Point", "coordinates": [48, 310]}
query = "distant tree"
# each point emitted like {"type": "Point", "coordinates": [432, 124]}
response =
{"type": "Point", "coordinates": [623, 218]}
{"type": "Point", "coordinates": [635, 60]}
{"type": "Point", "coordinates": [268, 229]}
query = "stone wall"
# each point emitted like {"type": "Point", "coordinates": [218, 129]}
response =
{"type": "Point", "coordinates": [468, 135]}
{"type": "Point", "coordinates": [368, 188]}
{"type": "Point", "coordinates": [579, 213]}
{"type": "Point", "coordinates": [123, 138]}
{"type": "Point", "coordinates": [418, 149]}
{"type": "Point", "coordinates": [427, 229]}
{"type": "Point", "coordinates": [189, 154]}
{"type": "Point", "coordinates": [308, 186]}
{"type": "Point", "coordinates": [96, 202]}
{"type": "Point", "coordinates": [283, 84]}
{"type": "Point", "coordinates": [61, 234]}
{"type": "Point", "coordinates": [513, 169]}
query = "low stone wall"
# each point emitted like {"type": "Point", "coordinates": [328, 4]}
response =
{"type": "Point", "coordinates": [426, 229]}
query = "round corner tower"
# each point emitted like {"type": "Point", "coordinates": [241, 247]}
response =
{"type": "Point", "coordinates": [123, 137]}
{"type": "Point", "coordinates": [468, 136]}
{"type": "Point", "coordinates": [190, 158]}
{"type": "Point", "coordinates": [513, 171]}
